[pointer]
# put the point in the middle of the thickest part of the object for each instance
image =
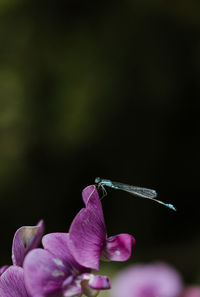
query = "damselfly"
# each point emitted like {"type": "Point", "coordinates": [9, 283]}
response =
{"type": "Point", "coordinates": [136, 191]}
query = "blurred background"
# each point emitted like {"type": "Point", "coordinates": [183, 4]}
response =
{"type": "Point", "coordinates": [109, 89]}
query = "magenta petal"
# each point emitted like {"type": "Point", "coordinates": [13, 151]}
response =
{"type": "Point", "coordinates": [191, 291]}
{"type": "Point", "coordinates": [91, 284]}
{"type": "Point", "coordinates": [92, 201]}
{"type": "Point", "coordinates": [44, 274]}
{"type": "Point", "coordinates": [25, 239]}
{"type": "Point", "coordinates": [118, 248]}
{"type": "Point", "coordinates": [156, 279]}
{"type": "Point", "coordinates": [88, 232]}
{"type": "Point", "coordinates": [99, 282]}
{"type": "Point", "coordinates": [12, 283]}
{"type": "Point", "coordinates": [57, 244]}
{"type": "Point", "coordinates": [3, 269]}
{"type": "Point", "coordinates": [87, 235]}
{"type": "Point", "coordinates": [73, 290]}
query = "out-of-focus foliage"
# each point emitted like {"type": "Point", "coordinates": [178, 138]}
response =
{"type": "Point", "coordinates": [105, 88]}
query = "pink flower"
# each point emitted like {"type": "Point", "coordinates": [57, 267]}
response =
{"type": "Point", "coordinates": [25, 239]}
{"type": "Point", "coordinates": [53, 271]}
{"type": "Point", "coordinates": [63, 267]}
{"type": "Point", "coordinates": [191, 291]}
{"type": "Point", "coordinates": [88, 237]}
{"type": "Point", "coordinates": [153, 280]}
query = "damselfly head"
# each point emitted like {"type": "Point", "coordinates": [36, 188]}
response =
{"type": "Point", "coordinates": [97, 180]}
{"type": "Point", "coordinates": [171, 206]}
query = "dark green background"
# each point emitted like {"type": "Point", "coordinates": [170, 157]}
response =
{"type": "Point", "coordinates": [102, 88]}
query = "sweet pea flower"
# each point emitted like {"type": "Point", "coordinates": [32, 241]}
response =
{"type": "Point", "coordinates": [88, 240]}
{"type": "Point", "coordinates": [191, 291]}
{"type": "Point", "coordinates": [153, 280]}
{"type": "Point", "coordinates": [12, 283]}
{"type": "Point", "coordinates": [53, 271]}
{"type": "Point", "coordinates": [25, 239]}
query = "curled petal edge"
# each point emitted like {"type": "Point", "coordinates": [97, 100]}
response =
{"type": "Point", "coordinates": [25, 239]}
{"type": "Point", "coordinates": [118, 248]}
{"type": "Point", "coordinates": [3, 269]}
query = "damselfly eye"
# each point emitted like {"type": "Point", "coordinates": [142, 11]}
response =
{"type": "Point", "coordinates": [97, 180]}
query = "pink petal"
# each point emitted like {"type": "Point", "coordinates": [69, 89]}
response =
{"type": "Point", "coordinates": [73, 290]}
{"type": "Point", "coordinates": [91, 283]}
{"type": "Point", "coordinates": [92, 201]}
{"type": "Point", "coordinates": [44, 273]}
{"type": "Point", "coordinates": [25, 239]}
{"type": "Point", "coordinates": [57, 244]}
{"type": "Point", "coordinates": [88, 232]}
{"type": "Point", "coordinates": [87, 284]}
{"type": "Point", "coordinates": [191, 291]}
{"type": "Point", "coordinates": [99, 282]}
{"type": "Point", "coordinates": [12, 283]}
{"type": "Point", "coordinates": [3, 269]}
{"type": "Point", "coordinates": [157, 279]}
{"type": "Point", "coordinates": [119, 247]}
